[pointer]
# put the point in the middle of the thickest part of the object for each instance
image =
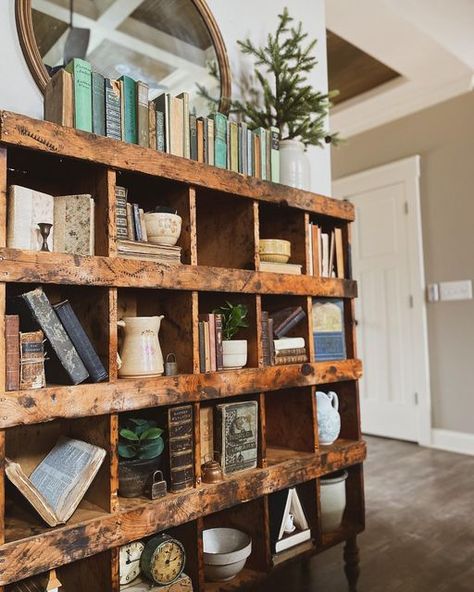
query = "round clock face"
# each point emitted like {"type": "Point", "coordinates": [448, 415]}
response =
{"type": "Point", "coordinates": [130, 561]}
{"type": "Point", "coordinates": [167, 562]}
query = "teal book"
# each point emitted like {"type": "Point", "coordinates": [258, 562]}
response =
{"type": "Point", "coordinates": [275, 155]}
{"type": "Point", "coordinates": [98, 104]}
{"type": "Point", "coordinates": [261, 133]}
{"type": "Point", "coordinates": [82, 90]}
{"type": "Point", "coordinates": [130, 131]}
{"type": "Point", "coordinates": [220, 139]}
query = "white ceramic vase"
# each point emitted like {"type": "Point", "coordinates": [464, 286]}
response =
{"type": "Point", "coordinates": [294, 164]}
{"type": "Point", "coordinates": [235, 353]}
{"type": "Point", "coordinates": [141, 352]}
{"type": "Point", "coordinates": [333, 501]}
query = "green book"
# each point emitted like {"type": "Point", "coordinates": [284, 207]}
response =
{"type": "Point", "coordinates": [261, 133]}
{"type": "Point", "coordinates": [82, 89]}
{"type": "Point", "coordinates": [130, 131]}
{"type": "Point", "coordinates": [220, 139]}
{"type": "Point", "coordinates": [275, 156]}
{"type": "Point", "coordinates": [98, 104]}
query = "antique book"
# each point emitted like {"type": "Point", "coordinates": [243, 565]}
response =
{"type": "Point", "coordinates": [200, 139]}
{"type": "Point", "coordinates": [328, 329]}
{"type": "Point", "coordinates": [202, 350]}
{"type": "Point", "coordinates": [210, 141]}
{"type": "Point", "coordinates": [32, 374]}
{"type": "Point", "coordinates": [98, 104]}
{"type": "Point", "coordinates": [250, 170]}
{"type": "Point", "coordinates": [339, 253]}
{"type": "Point", "coordinates": [12, 352]}
{"type": "Point", "coordinates": [286, 318]}
{"type": "Point", "coordinates": [82, 93]}
{"type": "Point", "coordinates": [130, 225]}
{"type": "Point", "coordinates": [243, 148]}
{"type": "Point", "coordinates": [261, 135]}
{"type": "Point", "coordinates": [268, 154]}
{"type": "Point", "coordinates": [121, 194]}
{"type": "Point", "coordinates": [257, 156]}
{"type": "Point", "coordinates": [137, 222]}
{"type": "Point", "coordinates": [236, 435]}
{"type": "Point", "coordinates": [141, 212]}
{"type": "Point", "coordinates": [324, 254]}
{"type": "Point", "coordinates": [176, 126]}
{"type": "Point", "coordinates": [288, 523]}
{"type": "Point", "coordinates": [219, 346]}
{"type": "Point", "coordinates": [210, 341]}
{"type": "Point", "coordinates": [193, 154]}
{"type": "Point", "coordinates": [206, 422]}
{"type": "Point", "coordinates": [58, 99]}
{"type": "Point", "coordinates": [57, 485]}
{"type": "Point", "coordinates": [142, 114]}
{"type": "Point", "coordinates": [205, 139]}
{"type": "Point", "coordinates": [160, 131]}
{"type": "Point", "coordinates": [291, 351]}
{"type": "Point", "coordinates": [26, 208]}
{"type": "Point", "coordinates": [286, 343]}
{"type": "Point", "coordinates": [207, 347]}
{"type": "Point", "coordinates": [296, 359]}
{"type": "Point", "coordinates": [128, 246]}
{"type": "Point", "coordinates": [275, 154]}
{"type": "Point", "coordinates": [81, 341]}
{"type": "Point", "coordinates": [181, 447]}
{"type": "Point", "coordinates": [113, 100]}
{"type": "Point", "coordinates": [234, 146]}
{"type": "Point", "coordinates": [267, 357]}
{"type": "Point", "coordinates": [220, 139]}
{"type": "Point", "coordinates": [332, 252]}
{"type": "Point", "coordinates": [64, 363]}
{"type": "Point", "coordinates": [129, 107]}
{"type": "Point", "coordinates": [316, 242]}
{"type": "Point", "coordinates": [272, 267]}
{"type": "Point", "coordinates": [74, 230]}
{"type": "Point", "coordinates": [152, 138]}
{"type": "Point", "coordinates": [162, 105]}
{"type": "Point", "coordinates": [184, 96]}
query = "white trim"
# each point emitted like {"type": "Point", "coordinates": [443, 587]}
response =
{"type": "Point", "coordinates": [406, 171]}
{"type": "Point", "coordinates": [452, 441]}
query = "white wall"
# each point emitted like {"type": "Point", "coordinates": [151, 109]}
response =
{"type": "Point", "coordinates": [18, 91]}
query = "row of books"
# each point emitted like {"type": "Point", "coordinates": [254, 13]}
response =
{"type": "Point", "coordinates": [70, 355]}
{"type": "Point", "coordinates": [121, 109]}
{"type": "Point", "coordinates": [210, 342]}
{"type": "Point", "coordinates": [71, 217]}
{"type": "Point", "coordinates": [326, 252]}
{"type": "Point", "coordinates": [130, 218]}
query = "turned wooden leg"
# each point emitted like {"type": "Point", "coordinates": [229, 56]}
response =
{"type": "Point", "coordinates": [351, 563]}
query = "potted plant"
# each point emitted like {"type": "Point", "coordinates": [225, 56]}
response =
{"type": "Point", "coordinates": [140, 448]}
{"type": "Point", "coordinates": [234, 318]}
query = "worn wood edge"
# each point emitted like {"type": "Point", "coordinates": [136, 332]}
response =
{"type": "Point", "coordinates": [62, 545]}
{"type": "Point", "coordinates": [54, 402]}
{"type": "Point", "coordinates": [20, 130]}
{"type": "Point", "coordinates": [61, 268]}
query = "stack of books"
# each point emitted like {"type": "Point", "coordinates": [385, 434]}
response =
{"type": "Point", "coordinates": [121, 109]}
{"type": "Point", "coordinates": [291, 268]}
{"type": "Point", "coordinates": [289, 350]}
{"type": "Point", "coordinates": [326, 252]}
{"type": "Point", "coordinates": [277, 347]}
{"type": "Point", "coordinates": [210, 342]}
{"type": "Point", "coordinates": [148, 251]}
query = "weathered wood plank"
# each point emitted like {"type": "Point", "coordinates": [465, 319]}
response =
{"type": "Point", "coordinates": [61, 268]}
{"type": "Point", "coordinates": [36, 406]}
{"type": "Point", "coordinates": [20, 130]}
{"type": "Point", "coordinates": [138, 518]}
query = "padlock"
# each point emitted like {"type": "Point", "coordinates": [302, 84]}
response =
{"type": "Point", "coordinates": [158, 486]}
{"type": "Point", "coordinates": [171, 365]}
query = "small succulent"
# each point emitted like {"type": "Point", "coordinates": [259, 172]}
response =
{"type": "Point", "coordinates": [234, 317]}
{"type": "Point", "coordinates": [140, 439]}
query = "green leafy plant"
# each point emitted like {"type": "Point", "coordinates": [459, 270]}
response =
{"type": "Point", "coordinates": [140, 439]}
{"type": "Point", "coordinates": [233, 318]}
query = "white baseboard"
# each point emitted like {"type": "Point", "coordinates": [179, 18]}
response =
{"type": "Point", "coordinates": [452, 441]}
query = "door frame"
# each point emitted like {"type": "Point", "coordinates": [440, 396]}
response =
{"type": "Point", "coordinates": [406, 171]}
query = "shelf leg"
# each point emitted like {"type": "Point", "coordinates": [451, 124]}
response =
{"type": "Point", "coordinates": [351, 563]}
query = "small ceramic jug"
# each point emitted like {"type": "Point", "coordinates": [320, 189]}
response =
{"type": "Point", "coordinates": [290, 525]}
{"type": "Point", "coordinates": [141, 352]}
{"type": "Point", "coordinates": [329, 420]}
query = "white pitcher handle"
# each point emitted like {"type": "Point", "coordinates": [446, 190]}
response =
{"type": "Point", "coordinates": [334, 400]}
{"type": "Point", "coordinates": [121, 323]}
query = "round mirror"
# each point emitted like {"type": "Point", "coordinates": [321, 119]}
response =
{"type": "Point", "coordinates": [172, 45]}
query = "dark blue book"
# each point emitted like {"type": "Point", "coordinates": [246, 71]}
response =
{"type": "Point", "coordinates": [328, 329]}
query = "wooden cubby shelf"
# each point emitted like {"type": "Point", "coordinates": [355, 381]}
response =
{"type": "Point", "coordinates": [224, 215]}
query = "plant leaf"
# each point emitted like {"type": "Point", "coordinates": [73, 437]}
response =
{"type": "Point", "coordinates": [126, 450]}
{"type": "Point", "coordinates": [152, 450]}
{"type": "Point", "coordinates": [129, 435]}
{"type": "Point", "coordinates": [151, 434]}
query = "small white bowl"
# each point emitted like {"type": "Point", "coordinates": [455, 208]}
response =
{"type": "Point", "coordinates": [163, 228]}
{"type": "Point", "coordinates": [225, 553]}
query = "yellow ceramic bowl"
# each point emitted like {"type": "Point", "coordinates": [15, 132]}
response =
{"type": "Point", "coordinates": [275, 250]}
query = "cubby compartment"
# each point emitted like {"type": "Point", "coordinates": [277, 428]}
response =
{"type": "Point", "coordinates": [149, 192]}
{"type": "Point", "coordinates": [347, 396]}
{"type": "Point", "coordinates": [226, 230]}
{"type": "Point", "coordinates": [328, 253]}
{"type": "Point", "coordinates": [178, 328]}
{"type": "Point", "coordinates": [57, 176]}
{"type": "Point", "coordinates": [29, 445]}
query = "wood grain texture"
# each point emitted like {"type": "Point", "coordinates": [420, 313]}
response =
{"type": "Point", "coordinates": [24, 131]}
{"type": "Point", "coordinates": [3, 196]}
{"type": "Point", "coordinates": [138, 517]}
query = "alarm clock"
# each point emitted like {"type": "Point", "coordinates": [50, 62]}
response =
{"type": "Point", "coordinates": [163, 559]}
{"type": "Point", "coordinates": [130, 561]}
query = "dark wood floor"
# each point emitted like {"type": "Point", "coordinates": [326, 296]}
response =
{"type": "Point", "coordinates": [420, 527]}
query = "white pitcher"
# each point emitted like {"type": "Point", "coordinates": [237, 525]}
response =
{"type": "Point", "coordinates": [329, 420]}
{"type": "Point", "coordinates": [141, 352]}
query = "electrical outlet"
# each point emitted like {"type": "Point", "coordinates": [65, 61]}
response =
{"type": "Point", "coordinates": [461, 290]}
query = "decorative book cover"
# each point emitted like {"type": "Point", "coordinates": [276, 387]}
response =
{"type": "Point", "coordinates": [32, 360]}
{"type": "Point", "coordinates": [121, 194]}
{"type": "Point", "coordinates": [129, 107]}
{"type": "Point", "coordinates": [142, 114]}
{"type": "Point", "coordinates": [236, 435]}
{"type": "Point", "coordinates": [113, 118]}
{"type": "Point", "coordinates": [162, 105]}
{"type": "Point", "coordinates": [58, 99]}
{"type": "Point", "coordinates": [74, 224]}
{"type": "Point", "coordinates": [328, 330]}
{"type": "Point", "coordinates": [152, 138]}
{"type": "Point", "coordinates": [81, 341]}
{"type": "Point", "coordinates": [12, 352]}
{"type": "Point", "coordinates": [181, 447]}
{"type": "Point", "coordinates": [82, 89]}
{"type": "Point", "coordinates": [64, 363]}
{"type": "Point", "coordinates": [160, 131]}
{"type": "Point", "coordinates": [26, 208]}
{"type": "Point", "coordinates": [98, 104]}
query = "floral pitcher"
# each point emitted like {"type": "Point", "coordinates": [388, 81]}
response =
{"type": "Point", "coordinates": [141, 352]}
{"type": "Point", "coordinates": [329, 420]}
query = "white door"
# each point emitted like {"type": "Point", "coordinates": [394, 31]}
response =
{"type": "Point", "coordinates": [391, 330]}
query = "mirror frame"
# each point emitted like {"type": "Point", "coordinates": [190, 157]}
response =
{"type": "Point", "coordinates": [26, 34]}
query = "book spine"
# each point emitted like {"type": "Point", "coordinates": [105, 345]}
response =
{"type": "Point", "coordinates": [160, 131]}
{"type": "Point", "coordinates": [121, 212]}
{"type": "Point", "coordinates": [220, 140]}
{"type": "Point", "coordinates": [212, 343]}
{"type": "Point", "coordinates": [261, 134]}
{"type": "Point", "coordinates": [275, 154]}
{"type": "Point", "coordinates": [98, 104]}
{"type": "Point", "coordinates": [219, 344]}
{"type": "Point", "coordinates": [193, 138]}
{"type": "Point", "coordinates": [31, 363]}
{"type": "Point", "coordinates": [81, 341]}
{"type": "Point", "coordinates": [152, 139]}
{"type": "Point", "coordinates": [176, 126]}
{"type": "Point", "coordinates": [243, 148]}
{"type": "Point", "coordinates": [257, 155]}
{"type": "Point", "coordinates": [142, 225]}
{"type": "Point", "coordinates": [186, 138]}
{"type": "Point", "coordinates": [210, 141]}
{"type": "Point", "coordinates": [200, 139]}
{"type": "Point", "coordinates": [137, 223]}
{"type": "Point", "coordinates": [12, 352]}
{"type": "Point", "coordinates": [202, 352]}
{"type": "Point", "coordinates": [271, 345]}
{"type": "Point", "coordinates": [207, 350]}
{"type": "Point", "coordinates": [250, 171]}
{"type": "Point", "coordinates": [267, 360]}
{"type": "Point", "coordinates": [291, 351]}
{"type": "Point", "coordinates": [268, 155]}
{"type": "Point", "coordinates": [205, 137]}
{"type": "Point", "coordinates": [234, 147]}
{"type": "Point", "coordinates": [142, 114]}
{"type": "Point", "coordinates": [130, 224]}
{"type": "Point", "coordinates": [279, 361]}
{"type": "Point", "coordinates": [285, 327]}
{"type": "Point", "coordinates": [82, 84]}
{"type": "Point", "coordinates": [58, 99]}
{"type": "Point", "coordinates": [181, 447]}
{"type": "Point", "coordinates": [129, 100]}
{"type": "Point", "coordinates": [113, 125]}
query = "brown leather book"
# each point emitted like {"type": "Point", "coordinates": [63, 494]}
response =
{"type": "Point", "coordinates": [12, 351]}
{"type": "Point", "coordinates": [58, 99]}
{"type": "Point", "coordinates": [32, 360]}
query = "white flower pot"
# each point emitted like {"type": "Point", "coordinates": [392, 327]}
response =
{"type": "Point", "coordinates": [235, 353]}
{"type": "Point", "coordinates": [333, 501]}
{"type": "Point", "coordinates": [294, 164]}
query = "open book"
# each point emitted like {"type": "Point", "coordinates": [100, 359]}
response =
{"type": "Point", "coordinates": [59, 482]}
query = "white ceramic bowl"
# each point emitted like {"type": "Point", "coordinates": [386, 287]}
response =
{"type": "Point", "coordinates": [225, 553]}
{"type": "Point", "coordinates": [163, 228]}
{"type": "Point", "coordinates": [275, 250]}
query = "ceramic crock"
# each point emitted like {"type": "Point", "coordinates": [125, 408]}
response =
{"type": "Point", "coordinates": [294, 164]}
{"type": "Point", "coordinates": [333, 500]}
{"type": "Point", "coordinates": [141, 352]}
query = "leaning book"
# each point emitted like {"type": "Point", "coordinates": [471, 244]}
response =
{"type": "Point", "coordinates": [58, 484]}
{"type": "Point", "coordinates": [328, 330]}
